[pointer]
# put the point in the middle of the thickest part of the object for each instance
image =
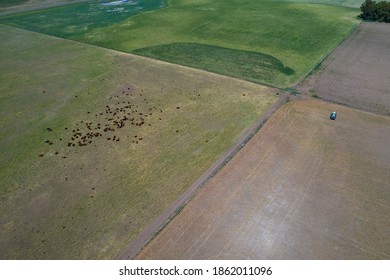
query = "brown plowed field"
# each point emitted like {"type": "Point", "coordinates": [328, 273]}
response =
{"type": "Point", "coordinates": [357, 73]}
{"type": "Point", "coordinates": [305, 187]}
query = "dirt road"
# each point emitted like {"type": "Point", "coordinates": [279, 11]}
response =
{"type": "Point", "coordinates": [135, 246]}
{"type": "Point", "coordinates": [305, 187]}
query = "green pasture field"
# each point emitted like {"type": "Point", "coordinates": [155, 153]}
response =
{"type": "Point", "coordinates": [77, 19]}
{"type": "Point", "coordinates": [9, 3]}
{"type": "Point", "coordinates": [251, 65]}
{"type": "Point", "coordinates": [297, 35]}
{"type": "Point", "coordinates": [143, 131]}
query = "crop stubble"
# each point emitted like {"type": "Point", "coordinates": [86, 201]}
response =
{"type": "Point", "coordinates": [305, 187]}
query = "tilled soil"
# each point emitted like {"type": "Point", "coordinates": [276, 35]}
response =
{"type": "Point", "coordinates": [147, 234]}
{"type": "Point", "coordinates": [357, 72]}
{"type": "Point", "coordinates": [306, 187]}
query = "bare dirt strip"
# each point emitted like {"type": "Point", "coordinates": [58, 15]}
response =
{"type": "Point", "coordinates": [306, 187]}
{"type": "Point", "coordinates": [357, 72]}
{"type": "Point", "coordinates": [153, 229]}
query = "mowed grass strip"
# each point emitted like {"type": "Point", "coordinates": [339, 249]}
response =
{"type": "Point", "coordinates": [95, 144]}
{"type": "Point", "coordinates": [298, 35]}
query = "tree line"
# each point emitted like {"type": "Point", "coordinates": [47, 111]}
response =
{"type": "Point", "coordinates": [375, 11]}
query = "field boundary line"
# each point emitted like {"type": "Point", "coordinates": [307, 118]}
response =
{"type": "Point", "coordinates": [134, 247]}
{"type": "Point", "coordinates": [154, 60]}
{"type": "Point", "coordinates": [163, 62]}
{"type": "Point", "coordinates": [318, 65]}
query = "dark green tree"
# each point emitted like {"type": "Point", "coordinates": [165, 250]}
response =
{"type": "Point", "coordinates": [374, 11]}
{"type": "Point", "coordinates": [368, 8]}
{"type": "Point", "coordinates": [383, 11]}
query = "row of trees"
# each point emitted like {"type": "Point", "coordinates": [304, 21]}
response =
{"type": "Point", "coordinates": [372, 10]}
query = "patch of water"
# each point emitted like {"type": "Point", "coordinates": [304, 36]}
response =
{"type": "Point", "coordinates": [128, 6]}
{"type": "Point", "coordinates": [117, 3]}
{"type": "Point", "coordinates": [91, 14]}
